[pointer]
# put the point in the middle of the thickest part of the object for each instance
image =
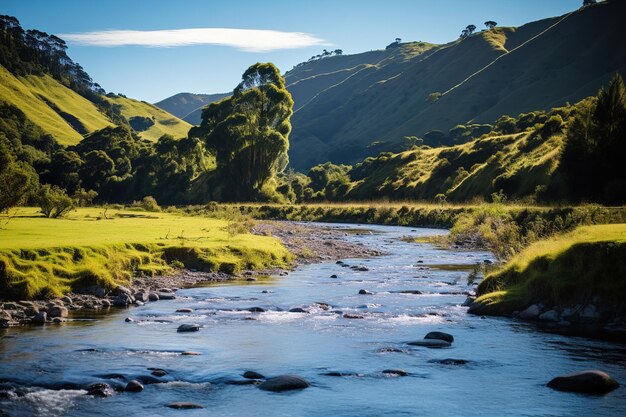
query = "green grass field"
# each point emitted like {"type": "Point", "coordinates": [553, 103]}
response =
{"type": "Point", "coordinates": [573, 268]}
{"type": "Point", "coordinates": [43, 258]}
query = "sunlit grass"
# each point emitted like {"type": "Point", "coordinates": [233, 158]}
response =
{"type": "Point", "coordinates": [42, 257]}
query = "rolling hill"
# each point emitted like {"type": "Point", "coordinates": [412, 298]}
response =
{"type": "Point", "coordinates": [344, 103]}
{"type": "Point", "coordinates": [164, 122]}
{"type": "Point", "coordinates": [68, 116]}
{"type": "Point", "coordinates": [188, 106]}
{"type": "Point", "coordinates": [59, 111]}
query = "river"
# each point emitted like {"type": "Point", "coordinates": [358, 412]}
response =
{"type": "Point", "coordinates": [508, 362]}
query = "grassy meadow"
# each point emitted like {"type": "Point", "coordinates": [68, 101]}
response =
{"type": "Point", "coordinates": [42, 258]}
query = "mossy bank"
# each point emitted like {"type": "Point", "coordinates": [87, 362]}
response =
{"type": "Point", "coordinates": [46, 258]}
{"type": "Point", "coordinates": [575, 278]}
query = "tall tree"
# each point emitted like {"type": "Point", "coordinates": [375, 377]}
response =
{"type": "Point", "coordinates": [248, 132]}
{"type": "Point", "coordinates": [592, 158]}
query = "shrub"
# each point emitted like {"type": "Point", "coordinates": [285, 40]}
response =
{"type": "Point", "coordinates": [53, 201]}
{"type": "Point", "coordinates": [149, 203]}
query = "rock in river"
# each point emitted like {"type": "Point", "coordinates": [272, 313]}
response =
{"type": "Point", "coordinates": [57, 311]}
{"type": "Point", "coordinates": [184, 406]}
{"type": "Point", "coordinates": [588, 382]}
{"type": "Point", "coordinates": [40, 318]}
{"type": "Point", "coordinates": [134, 386]}
{"type": "Point", "coordinates": [365, 292]}
{"type": "Point", "coordinates": [531, 313]}
{"type": "Point", "coordinates": [395, 372]}
{"type": "Point", "coordinates": [440, 336]}
{"type": "Point", "coordinates": [188, 328]}
{"type": "Point", "coordinates": [430, 343]}
{"type": "Point", "coordinates": [100, 389]}
{"type": "Point", "coordinates": [284, 383]}
{"type": "Point", "coordinates": [252, 375]}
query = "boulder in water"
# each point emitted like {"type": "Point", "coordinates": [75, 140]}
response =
{"type": "Point", "coordinates": [184, 406]}
{"type": "Point", "coordinates": [100, 389]}
{"type": "Point", "coordinates": [588, 382]}
{"type": "Point", "coordinates": [252, 375]}
{"type": "Point", "coordinates": [450, 361]}
{"type": "Point", "coordinates": [57, 311]}
{"type": "Point", "coordinates": [284, 383]}
{"type": "Point", "coordinates": [188, 328]}
{"type": "Point", "coordinates": [40, 318]}
{"type": "Point", "coordinates": [134, 386]}
{"type": "Point", "coordinates": [430, 343]}
{"type": "Point", "coordinates": [256, 310]}
{"type": "Point", "coordinates": [395, 372]}
{"type": "Point", "coordinates": [440, 336]}
{"type": "Point", "coordinates": [531, 313]}
{"type": "Point", "coordinates": [365, 292]}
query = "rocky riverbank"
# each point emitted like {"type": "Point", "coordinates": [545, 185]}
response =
{"type": "Point", "coordinates": [309, 244]}
{"type": "Point", "coordinates": [579, 319]}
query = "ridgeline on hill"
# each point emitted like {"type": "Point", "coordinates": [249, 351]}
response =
{"type": "Point", "coordinates": [61, 130]}
{"type": "Point", "coordinates": [348, 107]}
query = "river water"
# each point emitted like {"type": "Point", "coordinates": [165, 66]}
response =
{"type": "Point", "coordinates": [508, 365]}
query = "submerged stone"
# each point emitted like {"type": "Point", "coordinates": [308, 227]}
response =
{"type": "Point", "coordinates": [284, 383]}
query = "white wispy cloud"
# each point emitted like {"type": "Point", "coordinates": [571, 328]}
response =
{"type": "Point", "coordinates": [250, 40]}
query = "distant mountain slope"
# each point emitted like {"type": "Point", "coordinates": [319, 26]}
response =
{"type": "Point", "coordinates": [188, 106]}
{"type": "Point", "coordinates": [59, 111]}
{"type": "Point", "coordinates": [164, 122]}
{"type": "Point", "coordinates": [345, 103]}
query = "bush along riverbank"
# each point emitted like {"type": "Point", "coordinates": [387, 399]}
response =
{"type": "Point", "coordinates": [575, 282]}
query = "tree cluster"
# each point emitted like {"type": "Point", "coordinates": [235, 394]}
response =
{"type": "Point", "coordinates": [592, 159]}
{"type": "Point", "coordinates": [248, 134]}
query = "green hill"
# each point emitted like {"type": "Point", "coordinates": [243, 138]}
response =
{"type": "Point", "coordinates": [344, 103]}
{"type": "Point", "coordinates": [56, 109]}
{"type": "Point", "coordinates": [188, 106]}
{"type": "Point", "coordinates": [164, 123]}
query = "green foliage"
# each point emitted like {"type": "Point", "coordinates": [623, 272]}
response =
{"type": "Point", "coordinates": [53, 201]}
{"type": "Point", "coordinates": [248, 133]}
{"type": "Point", "coordinates": [148, 203]}
{"type": "Point", "coordinates": [141, 123]}
{"type": "Point", "coordinates": [329, 181]}
{"type": "Point", "coordinates": [84, 198]}
{"type": "Point", "coordinates": [592, 160]}
{"type": "Point", "coordinates": [17, 179]}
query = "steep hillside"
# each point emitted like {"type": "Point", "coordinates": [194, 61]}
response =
{"type": "Point", "coordinates": [40, 82]}
{"type": "Point", "coordinates": [345, 103]}
{"type": "Point", "coordinates": [59, 111]}
{"type": "Point", "coordinates": [188, 106]}
{"type": "Point", "coordinates": [160, 122]}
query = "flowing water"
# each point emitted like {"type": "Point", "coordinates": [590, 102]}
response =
{"type": "Point", "coordinates": [508, 363]}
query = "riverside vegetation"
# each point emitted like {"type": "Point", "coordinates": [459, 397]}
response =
{"type": "Point", "coordinates": [72, 145]}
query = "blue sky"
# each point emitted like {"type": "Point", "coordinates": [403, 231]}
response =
{"type": "Point", "coordinates": [152, 73]}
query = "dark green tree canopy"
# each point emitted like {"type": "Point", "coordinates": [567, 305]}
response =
{"type": "Point", "coordinates": [248, 133]}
